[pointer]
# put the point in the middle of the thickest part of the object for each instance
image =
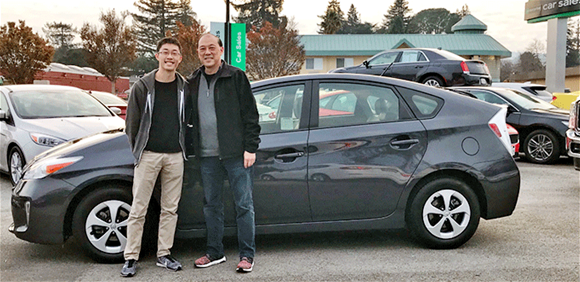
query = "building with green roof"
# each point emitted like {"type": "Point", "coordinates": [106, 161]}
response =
{"type": "Point", "coordinates": [325, 52]}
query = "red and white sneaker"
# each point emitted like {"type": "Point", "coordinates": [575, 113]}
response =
{"type": "Point", "coordinates": [246, 264]}
{"type": "Point", "coordinates": [207, 261]}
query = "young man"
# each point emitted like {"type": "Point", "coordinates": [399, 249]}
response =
{"type": "Point", "coordinates": [155, 125]}
{"type": "Point", "coordinates": [227, 132]}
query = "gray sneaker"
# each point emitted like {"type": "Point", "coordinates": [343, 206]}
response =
{"type": "Point", "coordinates": [129, 269]}
{"type": "Point", "coordinates": [169, 262]}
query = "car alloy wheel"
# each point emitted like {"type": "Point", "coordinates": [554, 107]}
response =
{"type": "Point", "coordinates": [100, 222]}
{"type": "Point", "coordinates": [106, 226]}
{"type": "Point", "coordinates": [541, 146]}
{"type": "Point", "coordinates": [444, 213]}
{"type": "Point", "coordinates": [433, 81]}
{"type": "Point", "coordinates": [16, 165]}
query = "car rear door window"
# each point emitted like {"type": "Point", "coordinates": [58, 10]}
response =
{"type": "Point", "coordinates": [423, 105]}
{"type": "Point", "coordinates": [344, 104]}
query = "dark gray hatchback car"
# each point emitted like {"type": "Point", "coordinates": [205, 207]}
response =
{"type": "Point", "coordinates": [338, 152]}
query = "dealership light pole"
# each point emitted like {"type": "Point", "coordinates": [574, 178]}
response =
{"type": "Point", "coordinates": [227, 34]}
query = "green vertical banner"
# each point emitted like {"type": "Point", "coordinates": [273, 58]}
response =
{"type": "Point", "coordinates": [238, 45]}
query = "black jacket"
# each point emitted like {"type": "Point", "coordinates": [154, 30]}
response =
{"type": "Point", "coordinates": [236, 113]}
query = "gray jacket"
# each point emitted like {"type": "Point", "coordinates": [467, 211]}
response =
{"type": "Point", "coordinates": [140, 112]}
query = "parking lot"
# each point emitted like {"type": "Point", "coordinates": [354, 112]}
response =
{"type": "Point", "coordinates": [539, 242]}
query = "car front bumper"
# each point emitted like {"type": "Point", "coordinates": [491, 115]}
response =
{"type": "Point", "coordinates": [38, 210]}
{"type": "Point", "coordinates": [573, 146]}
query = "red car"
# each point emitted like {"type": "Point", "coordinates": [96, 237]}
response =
{"type": "Point", "coordinates": [111, 101]}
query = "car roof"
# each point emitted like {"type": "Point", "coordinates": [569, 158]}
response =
{"type": "Point", "coordinates": [518, 84]}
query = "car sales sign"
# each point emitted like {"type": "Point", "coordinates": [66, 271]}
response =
{"type": "Point", "coordinates": [543, 10]}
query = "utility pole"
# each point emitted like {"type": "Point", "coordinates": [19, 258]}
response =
{"type": "Point", "coordinates": [227, 34]}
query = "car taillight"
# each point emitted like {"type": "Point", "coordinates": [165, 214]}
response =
{"type": "Point", "coordinates": [498, 125]}
{"type": "Point", "coordinates": [464, 67]}
{"type": "Point", "coordinates": [554, 98]}
{"type": "Point", "coordinates": [486, 68]}
{"type": "Point", "coordinates": [495, 129]}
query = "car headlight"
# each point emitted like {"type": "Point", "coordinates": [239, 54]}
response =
{"type": "Point", "coordinates": [49, 166]}
{"type": "Point", "coordinates": [46, 140]}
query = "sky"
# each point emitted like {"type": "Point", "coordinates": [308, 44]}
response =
{"type": "Point", "coordinates": [504, 18]}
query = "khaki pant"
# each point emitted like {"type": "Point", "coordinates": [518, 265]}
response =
{"type": "Point", "coordinates": [170, 168]}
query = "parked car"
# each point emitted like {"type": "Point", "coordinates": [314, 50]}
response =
{"type": "Point", "coordinates": [436, 168]}
{"type": "Point", "coordinates": [573, 133]}
{"type": "Point", "coordinates": [515, 139]}
{"type": "Point", "coordinates": [564, 100]}
{"type": "Point", "coordinates": [116, 104]}
{"type": "Point", "coordinates": [540, 124]}
{"type": "Point", "coordinates": [424, 65]}
{"type": "Point", "coordinates": [536, 90]}
{"type": "Point", "coordinates": [34, 118]}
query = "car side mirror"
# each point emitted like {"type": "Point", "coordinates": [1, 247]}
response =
{"type": "Point", "coordinates": [115, 110]}
{"type": "Point", "coordinates": [366, 64]}
{"type": "Point", "coordinates": [3, 115]}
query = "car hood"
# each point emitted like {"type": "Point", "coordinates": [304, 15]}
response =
{"type": "Point", "coordinates": [557, 113]}
{"type": "Point", "coordinates": [72, 128]}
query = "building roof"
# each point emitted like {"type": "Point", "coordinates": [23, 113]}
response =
{"type": "Point", "coordinates": [470, 24]}
{"type": "Point", "coordinates": [57, 67]}
{"type": "Point", "coordinates": [371, 44]}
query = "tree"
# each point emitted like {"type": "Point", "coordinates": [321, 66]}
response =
{"type": "Point", "coordinates": [573, 44]}
{"type": "Point", "coordinates": [332, 18]}
{"type": "Point", "coordinates": [60, 34]}
{"type": "Point", "coordinates": [155, 18]}
{"type": "Point", "coordinates": [433, 21]}
{"type": "Point", "coordinates": [188, 37]}
{"type": "Point", "coordinates": [353, 24]}
{"type": "Point", "coordinates": [22, 53]}
{"type": "Point", "coordinates": [396, 19]}
{"type": "Point", "coordinates": [256, 12]}
{"type": "Point", "coordinates": [112, 48]}
{"type": "Point", "coordinates": [274, 52]}
{"type": "Point", "coordinates": [463, 12]}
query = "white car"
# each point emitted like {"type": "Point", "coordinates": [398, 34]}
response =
{"type": "Point", "coordinates": [536, 90]}
{"type": "Point", "coordinates": [34, 118]}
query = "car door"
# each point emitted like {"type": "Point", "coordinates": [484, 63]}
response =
{"type": "Point", "coordinates": [280, 182]}
{"type": "Point", "coordinates": [410, 65]}
{"type": "Point", "coordinates": [6, 129]}
{"type": "Point", "coordinates": [381, 64]}
{"type": "Point", "coordinates": [362, 154]}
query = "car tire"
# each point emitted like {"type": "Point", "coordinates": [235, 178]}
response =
{"type": "Point", "coordinates": [444, 214]}
{"type": "Point", "coordinates": [433, 81]}
{"type": "Point", "coordinates": [15, 164]}
{"type": "Point", "coordinates": [101, 234]}
{"type": "Point", "coordinates": [542, 147]}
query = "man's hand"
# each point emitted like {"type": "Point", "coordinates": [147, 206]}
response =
{"type": "Point", "coordinates": [249, 159]}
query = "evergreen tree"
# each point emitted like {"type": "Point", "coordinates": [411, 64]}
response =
{"type": "Point", "coordinates": [156, 18]}
{"type": "Point", "coordinates": [353, 24]}
{"type": "Point", "coordinates": [332, 19]}
{"type": "Point", "coordinates": [256, 12]}
{"type": "Point", "coordinates": [433, 21]}
{"type": "Point", "coordinates": [60, 34]}
{"type": "Point", "coordinates": [396, 19]}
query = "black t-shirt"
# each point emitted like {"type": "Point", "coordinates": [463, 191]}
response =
{"type": "Point", "coordinates": [164, 132]}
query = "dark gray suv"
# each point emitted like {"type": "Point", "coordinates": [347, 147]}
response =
{"type": "Point", "coordinates": [338, 152]}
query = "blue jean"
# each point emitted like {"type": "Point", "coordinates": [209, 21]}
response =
{"type": "Point", "coordinates": [213, 174]}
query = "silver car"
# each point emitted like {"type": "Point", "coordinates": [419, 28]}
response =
{"type": "Point", "coordinates": [34, 118]}
{"type": "Point", "coordinates": [535, 90]}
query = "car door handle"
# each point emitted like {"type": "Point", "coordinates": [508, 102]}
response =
{"type": "Point", "coordinates": [404, 144]}
{"type": "Point", "coordinates": [418, 67]}
{"type": "Point", "coordinates": [290, 155]}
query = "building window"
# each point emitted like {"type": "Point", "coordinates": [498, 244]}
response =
{"type": "Point", "coordinates": [313, 63]}
{"type": "Point", "coordinates": [344, 62]}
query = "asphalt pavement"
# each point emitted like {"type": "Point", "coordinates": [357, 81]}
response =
{"type": "Point", "coordinates": [539, 242]}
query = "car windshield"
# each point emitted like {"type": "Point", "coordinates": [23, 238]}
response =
{"type": "Point", "coordinates": [109, 99]}
{"type": "Point", "coordinates": [52, 104]}
{"type": "Point", "coordinates": [526, 101]}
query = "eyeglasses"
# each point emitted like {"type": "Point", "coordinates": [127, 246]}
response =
{"type": "Point", "coordinates": [167, 53]}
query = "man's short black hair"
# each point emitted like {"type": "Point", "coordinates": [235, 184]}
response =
{"type": "Point", "coordinates": [168, 40]}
